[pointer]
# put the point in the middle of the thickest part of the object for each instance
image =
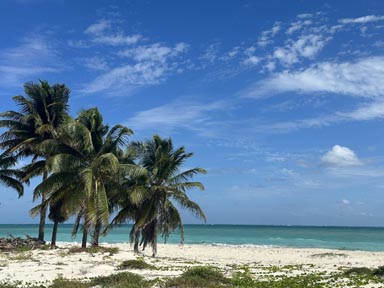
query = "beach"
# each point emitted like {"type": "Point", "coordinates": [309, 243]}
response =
{"type": "Point", "coordinates": [43, 266]}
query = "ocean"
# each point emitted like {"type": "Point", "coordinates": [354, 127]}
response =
{"type": "Point", "coordinates": [347, 238]}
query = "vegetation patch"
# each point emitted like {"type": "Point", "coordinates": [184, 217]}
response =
{"type": "Point", "coordinates": [136, 264]}
{"type": "Point", "coordinates": [66, 283]}
{"type": "Point", "coordinates": [358, 271]}
{"type": "Point", "coordinates": [21, 256]}
{"type": "Point", "coordinates": [120, 280]}
{"type": "Point", "coordinates": [94, 249]}
{"type": "Point", "coordinates": [328, 254]}
{"type": "Point", "coordinates": [201, 276]}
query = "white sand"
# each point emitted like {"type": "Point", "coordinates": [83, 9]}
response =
{"type": "Point", "coordinates": [41, 266]}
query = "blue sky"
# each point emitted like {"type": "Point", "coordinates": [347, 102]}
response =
{"type": "Point", "coordinates": [281, 101]}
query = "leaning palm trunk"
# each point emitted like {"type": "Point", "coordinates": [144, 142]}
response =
{"type": "Point", "coordinates": [149, 235]}
{"type": "Point", "coordinates": [84, 239]}
{"type": "Point", "coordinates": [85, 233]}
{"type": "Point", "coordinates": [54, 233]}
{"type": "Point", "coordinates": [136, 245]}
{"type": "Point", "coordinates": [154, 240]}
{"type": "Point", "coordinates": [96, 234]}
{"type": "Point", "coordinates": [43, 212]}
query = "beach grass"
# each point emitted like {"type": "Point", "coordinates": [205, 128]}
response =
{"type": "Point", "coordinates": [201, 276]}
{"type": "Point", "coordinates": [210, 276]}
{"type": "Point", "coordinates": [94, 249]}
{"type": "Point", "coordinates": [139, 264]}
{"type": "Point", "coordinates": [62, 268]}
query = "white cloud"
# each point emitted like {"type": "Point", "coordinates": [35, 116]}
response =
{"type": "Point", "coordinates": [98, 28]}
{"type": "Point", "coordinates": [304, 15]}
{"type": "Point", "coordinates": [180, 114]}
{"type": "Point", "coordinates": [103, 32]}
{"type": "Point", "coordinates": [372, 111]}
{"type": "Point", "coordinates": [369, 111]}
{"type": "Point", "coordinates": [117, 39]}
{"type": "Point", "coordinates": [362, 78]}
{"type": "Point", "coordinates": [340, 156]}
{"type": "Point", "coordinates": [298, 25]}
{"type": "Point", "coordinates": [362, 20]}
{"type": "Point", "coordinates": [152, 64]}
{"type": "Point", "coordinates": [211, 53]}
{"type": "Point", "coordinates": [155, 52]}
{"type": "Point", "coordinates": [32, 59]}
{"type": "Point", "coordinates": [276, 28]}
{"type": "Point", "coordinates": [345, 202]}
{"type": "Point", "coordinates": [306, 46]}
{"type": "Point", "coordinates": [266, 35]}
{"type": "Point", "coordinates": [123, 79]}
{"type": "Point", "coordinates": [252, 61]}
{"type": "Point", "coordinates": [96, 63]}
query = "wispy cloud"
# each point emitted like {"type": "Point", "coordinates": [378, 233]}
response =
{"type": "Point", "coordinates": [155, 52]}
{"type": "Point", "coordinates": [306, 46]}
{"type": "Point", "coordinates": [210, 55]}
{"type": "Point", "coordinates": [151, 65]}
{"type": "Point", "coordinates": [117, 39]}
{"type": "Point", "coordinates": [96, 63]}
{"type": "Point", "coordinates": [136, 64]}
{"type": "Point", "coordinates": [297, 26]}
{"type": "Point", "coordinates": [374, 110]}
{"type": "Point", "coordinates": [32, 59]}
{"type": "Point", "coordinates": [102, 32]}
{"type": "Point", "coordinates": [267, 35]}
{"type": "Point", "coordinates": [180, 114]}
{"type": "Point", "coordinates": [362, 78]}
{"type": "Point", "coordinates": [98, 27]}
{"type": "Point", "coordinates": [362, 20]}
{"type": "Point", "coordinates": [125, 78]}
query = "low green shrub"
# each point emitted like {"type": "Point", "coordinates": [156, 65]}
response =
{"type": "Point", "coordinates": [120, 280]}
{"type": "Point", "coordinates": [135, 264]}
{"type": "Point", "coordinates": [200, 276]}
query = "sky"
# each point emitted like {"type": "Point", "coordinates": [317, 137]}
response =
{"type": "Point", "coordinates": [282, 102]}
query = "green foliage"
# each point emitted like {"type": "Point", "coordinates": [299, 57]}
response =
{"type": "Point", "coordinates": [201, 276]}
{"type": "Point", "coordinates": [66, 283]}
{"type": "Point", "coordinates": [243, 279]}
{"type": "Point", "coordinates": [94, 249]}
{"type": "Point", "coordinates": [135, 264]}
{"type": "Point", "coordinates": [121, 280]}
{"type": "Point", "coordinates": [329, 254]}
{"type": "Point", "coordinates": [358, 271]}
{"type": "Point", "coordinates": [379, 272]}
{"type": "Point", "coordinates": [21, 256]}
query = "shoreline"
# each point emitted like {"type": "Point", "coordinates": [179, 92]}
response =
{"type": "Point", "coordinates": [43, 266]}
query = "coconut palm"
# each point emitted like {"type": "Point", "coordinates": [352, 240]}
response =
{"type": "Point", "coordinates": [89, 166]}
{"type": "Point", "coordinates": [10, 177]}
{"type": "Point", "coordinates": [58, 214]}
{"type": "Point", "coordinates": [166, 186]}
{"type": "Point", "coordinates": [40, 114]}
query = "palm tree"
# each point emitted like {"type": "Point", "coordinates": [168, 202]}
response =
{"type": "Point", "coordinates": [58, 214]}
{"type": "Point", "coordinates": [84, 172]}
{"type": "Point", "coordinates": [10, 177]}
{"type": "Point", "coordinates": [41, 113]}
{"type": "Point", "coordinates": [165, 186]}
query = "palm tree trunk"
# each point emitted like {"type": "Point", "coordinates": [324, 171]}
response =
{"type": "Point", "coordinates": [85, 233]}
{"type": "Point", "coordinates": [85, 236]}
{"type": "Point", "coordinates": [136, 246]}
{"type": "Point", "coordinates": [54, 233]}
{"type": "Point", "coordinates": [96, 234]}
{"type": "Point", "coordinates": [43, 212]}
{"type": "Point", "coordinates": [154, 239]}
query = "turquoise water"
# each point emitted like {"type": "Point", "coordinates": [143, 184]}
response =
{"type": "Point", "coordinates": [351, 238]}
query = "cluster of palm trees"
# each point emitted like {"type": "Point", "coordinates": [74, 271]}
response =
{"type": "Point", "coordinates": [90, 171]}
